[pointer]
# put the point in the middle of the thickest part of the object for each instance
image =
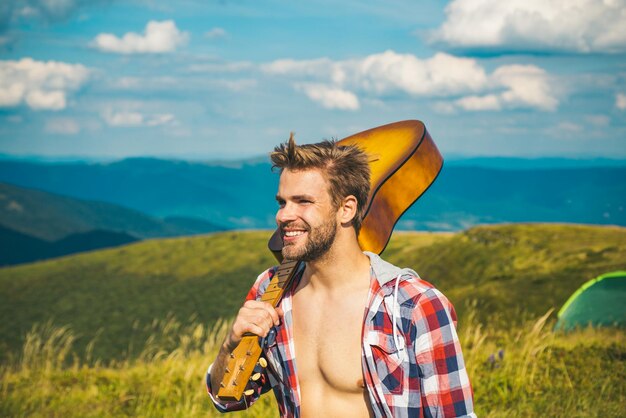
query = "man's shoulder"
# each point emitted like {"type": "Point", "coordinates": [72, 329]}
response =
{"type": "Point", "coordinates": [411, 287]}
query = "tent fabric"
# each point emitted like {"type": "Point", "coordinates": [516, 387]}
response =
{"type": "Point", "coordinates": [598, 302]}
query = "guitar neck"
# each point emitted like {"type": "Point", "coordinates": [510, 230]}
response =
{"type": "Point", "coordinates": [244, 357]}
{"type": "Point", "coordinates": [280, 282]}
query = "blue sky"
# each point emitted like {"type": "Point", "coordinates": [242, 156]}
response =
{"type": "Point", "coordinates": [231, 78]}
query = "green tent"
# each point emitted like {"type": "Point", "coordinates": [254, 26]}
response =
{"type": "Point", "coordinates": [599, 302]}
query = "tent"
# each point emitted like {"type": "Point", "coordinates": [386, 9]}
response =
{"type": "Point", "coordinates": [599, 302]}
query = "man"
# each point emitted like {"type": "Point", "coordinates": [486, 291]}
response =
{"type": "Point", "coordinates": [371, 339]}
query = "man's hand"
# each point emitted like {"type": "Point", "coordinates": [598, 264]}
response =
{"type": "Point", "coordinates": [254, 317]}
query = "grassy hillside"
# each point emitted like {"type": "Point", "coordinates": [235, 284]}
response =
{"type": "Point", "coordinates": [117, 293]}
{"type": "Point", "coordinates": [520, 371]}
{"type": "Point", "coordinates": [508, 269]}
{"type": "Point", "coordinates": [70, 316]}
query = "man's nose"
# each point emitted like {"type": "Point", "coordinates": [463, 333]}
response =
{"type": "Point", "coordinates": [285, 214]}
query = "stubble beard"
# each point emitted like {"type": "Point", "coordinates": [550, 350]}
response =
{"type": "Point", "coordinates": [318, 242]}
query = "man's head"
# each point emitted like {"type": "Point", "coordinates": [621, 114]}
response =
{"type": "Point", "coordinates": [322, 192]}
{"type": "Point", "coordinates": [345, 169]}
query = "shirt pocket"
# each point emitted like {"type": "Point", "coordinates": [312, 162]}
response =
{"type": "Point", "coordinates": [387, 361]}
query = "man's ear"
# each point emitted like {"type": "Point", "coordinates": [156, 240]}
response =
{"type": "Point", "coordinates": [347, 210]}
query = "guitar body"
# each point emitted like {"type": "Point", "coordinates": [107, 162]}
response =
{"type": "Point", "coordinates": [404, 162]}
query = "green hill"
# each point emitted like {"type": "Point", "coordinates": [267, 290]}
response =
{"type": "Point", "coordinates": [516, 267]}
{"type": "Point", "coordinates": [51, 217]}
{"type": "Point", "coordinates": [117, 293]}
{"type": "Point", "coordinates": [20, 248]}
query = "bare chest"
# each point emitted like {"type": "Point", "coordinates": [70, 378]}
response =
{"type": "Point", "coordinates": [327, 337]}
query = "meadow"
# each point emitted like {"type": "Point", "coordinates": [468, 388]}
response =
{"type": "Point", "coordinates": [520, 372]}
{"type": "Point", "coordinates": [130, 331]}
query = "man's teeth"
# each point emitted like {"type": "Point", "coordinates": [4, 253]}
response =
{"type": "Point", "coordinates": [293, 233]}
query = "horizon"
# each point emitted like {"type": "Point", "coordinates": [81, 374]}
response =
{"type": "Point", "coordinates": [448, 159]}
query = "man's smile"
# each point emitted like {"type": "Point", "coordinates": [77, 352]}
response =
{"type": "Point", "coordinates": [291, 234]}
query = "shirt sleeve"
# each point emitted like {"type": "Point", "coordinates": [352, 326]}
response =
{"type": "Point", "coordinates": [259, 386]}
{"type": "Point", "coordinates": [445, 386]}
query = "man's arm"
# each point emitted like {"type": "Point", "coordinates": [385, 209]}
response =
{"type": "Point", "coordinates": [445, 386]}
{"type": "Point", "coordinates": [254, 317]}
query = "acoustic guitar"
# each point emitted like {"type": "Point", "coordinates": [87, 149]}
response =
{"type": "Point", "coordinates": [404, 162]}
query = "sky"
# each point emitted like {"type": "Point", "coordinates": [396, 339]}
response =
{"type": "Point", "coordinates": [206, 79]}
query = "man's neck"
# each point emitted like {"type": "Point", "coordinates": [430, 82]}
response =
{"type": "Point", "coordinates": [343, 266]}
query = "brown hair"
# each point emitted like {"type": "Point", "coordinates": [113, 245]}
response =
{"type": "Point", "coordinates": [345, 167]}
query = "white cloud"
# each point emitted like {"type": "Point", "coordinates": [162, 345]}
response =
{"type": "Point", "coordinates": [236, 85]}
{"type": "Point", "coordinates": [570, 127]}
{"type": "Point", "coordinates": [444, 107]}
{"type": "Point", "coordinates": [599, 121]}
{"type": "Point", "coordinates": [513, 86]}
{"type": "Point", "coordinates": [330, 97]}
{"type": "Point", "coordinates": [527, 85]}
{"type": "Point", "coordinates": [160, 119]}
{"type": "Point", "coordinates": [40, 85]}
{"type": "Point", "coordinates": [215, 33]}
{"type": "Point", "coordinates": [488, 102]}
{"type": "Point", "coordinates": [390, 72]}
{"type": "Point", "coordinates": [63, 126]}
{"type": "Point", "coordinates": [158, 37]}
{"type": "Point", "coordinates": [552, 25]}
{"type": "Point", "coordinates": [134, 119]}
{"type": "Point", "coordinates": [566, 130]}
{"type": "Point", "coordinates": [620, 101]}
{"type": "Point", "coordinates": [14, 12]}
{"type": "Point", "coordinates": [443, 75]}
{"type": "Point", "coordinates": [321, 68]}
{"type": "Point", "coordinates": [220, 67]}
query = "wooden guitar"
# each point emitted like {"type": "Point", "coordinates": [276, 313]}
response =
{"type": "Point", "coordinates": [404, 162]}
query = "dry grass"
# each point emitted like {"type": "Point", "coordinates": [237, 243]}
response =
{"type": "Point", "coordinates": [526, 371]}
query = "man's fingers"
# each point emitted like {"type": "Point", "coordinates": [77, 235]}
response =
{"type": "Point", "coordinates": [256, 330]}
{"type": "Point", "coordinates": [255, 317]}
{"type": "Point", "coordinates": [274, 316]}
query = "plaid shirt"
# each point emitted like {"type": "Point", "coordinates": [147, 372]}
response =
{"type": "Point", "coordinates": [413, 371]}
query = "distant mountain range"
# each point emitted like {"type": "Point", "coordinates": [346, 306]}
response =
{"type": "Point", "coordinates": [240, 194]}
{"type": "Point", "coordinates": [36, 225]}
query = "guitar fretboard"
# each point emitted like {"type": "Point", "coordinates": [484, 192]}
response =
{"type": "Point", "coordinates": [281, 280]}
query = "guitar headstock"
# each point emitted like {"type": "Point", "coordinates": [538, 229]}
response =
{"type": "Point", "coordinates": [239, 369]}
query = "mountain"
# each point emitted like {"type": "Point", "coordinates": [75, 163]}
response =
{"type": "Point", "coordinates": [114, 294]}
{"type": "Point", "coordinates": [91, 240]}
{"type": "Point", "coordinates": [235, 194]}
{"type": "Point", "coordinates": [18, 248]}
{"type": "Point", "coordinates": [542, 163]}
{"type": "Point", "coordinates": [240, 194]}
{"type": "Point", "coordinates": [51, 217]}
{"type": "Point", "coordinates": [465, 196]}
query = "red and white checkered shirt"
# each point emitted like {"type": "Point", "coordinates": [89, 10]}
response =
{"type": "Point", "coordinates": [414, 370]}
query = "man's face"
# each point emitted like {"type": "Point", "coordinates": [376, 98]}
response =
{"type": "Point", "coordinates": [306, 217]}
